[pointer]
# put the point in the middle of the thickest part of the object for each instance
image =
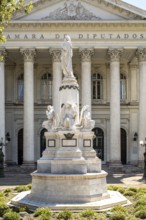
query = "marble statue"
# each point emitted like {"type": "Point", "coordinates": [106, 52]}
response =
{"type": "Point", "coordinates": [85, 118]}
{"type": "Point", "coordinates": [66, 57]}
{"type": "Point", "coordinates": [68, 115]}
{"type": "Point", "coordinates": [51, 123]}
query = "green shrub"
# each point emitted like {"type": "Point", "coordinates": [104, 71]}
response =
{"type": "Point", "coordinates": [21, 188]}
{"type": "Point", "coordinates": [3, 208]}
{"type": "Point", "coordinates": [117, 215]}
{"type": "Point", "coordinates": [88, 214]}
{"type": "Point", "coordinates": [65, 215]}
{"type": "Point", "coordinates": [141, 213]}
{"type": "Point", "coordinates": [133, 189]}
{"type": "Point", "coordinates": [119, 208]}
{"type": "Point", "coordinates": [42, 211]}
{"type": "Point", "coordinates": [139, 202]}
{"type": "Point", "coordinates": [29, 186]}
{"type": "Point", "coordinates": [8, 190]}
{"type": "Point", "coordinates": [44, 216]}
{"type": "Point", "coordinates": [23, 209]}
{"type": "Point", "coordinates": [129, 193]}
{"type": "Point", "coordinates": [11, 216]}
{"type": "Point", "coordinates": [121, 190]}
{"type": "Point", "coordinates": [114, 188]}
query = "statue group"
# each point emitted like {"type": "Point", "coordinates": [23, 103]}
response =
{"type": "Point", "coordinates": [69, 110]}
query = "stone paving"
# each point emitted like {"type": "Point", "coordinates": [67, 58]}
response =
{"type": "Point", "coordinates": [13, 179]}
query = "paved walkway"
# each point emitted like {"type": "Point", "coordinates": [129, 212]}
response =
{"type": "Point", "coordinates": [12, 179]}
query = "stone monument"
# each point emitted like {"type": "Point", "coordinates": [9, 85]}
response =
{"type": "Point", "coordinates": [69, 173]}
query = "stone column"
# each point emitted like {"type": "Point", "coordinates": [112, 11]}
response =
{"type": "Point", "coordinates": [115, 133]}
{"type": "Point", "coordinates": [142, 102]}
{"type": "Point", "coordinates": [2, 94]}
{"type": "Point", "coordinates": [28, 144]}
{"type": "Point", "coordinates": [133, 71]}
{"type": "Point", "coordinates": [57, 78]}
{"type": "Point", "coordinates": [86, 55]}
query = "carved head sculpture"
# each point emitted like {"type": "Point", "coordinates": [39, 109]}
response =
{"type": "Point", "coordinates": [67, 38]}
{"type": "Point", "coordinates": [49, 107]}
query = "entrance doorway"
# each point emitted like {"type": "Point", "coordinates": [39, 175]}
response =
{"type": "Point", "coordinates": [42, 141]}
{"type": "Point", "coordinates": [20, 147]}
{"type": "Point", "coordinates": [98, 143]}
{"type": "Point", "coordinates": [123, 146]}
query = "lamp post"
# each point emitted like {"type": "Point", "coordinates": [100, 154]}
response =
{"type": "Point", "coordinates": [3, 144]}
{"type": "Point", "coordinates": [143, 144]}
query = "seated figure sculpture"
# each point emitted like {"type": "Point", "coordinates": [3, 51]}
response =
{"type": "Point", "coordinates": [85, 118]}
{"type": "Point", "coordinates": [68, 115]}
{"type": "Point", "coordinates": [51, 123]}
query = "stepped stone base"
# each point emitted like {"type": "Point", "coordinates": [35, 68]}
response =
{"type": "Point", "coordinates": [115, 198]}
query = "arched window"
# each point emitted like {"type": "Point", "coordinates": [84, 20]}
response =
{"type": "Point", "coordinates": [46, 86]}
{"type": "Point", "coordinates": [98, 142]}
{"type": "Point", "coordinates": [123, 87]}
{"type": "Point", "coordinates": [97, 86]}
{"type": "Point", "coordinates": [20, 87]}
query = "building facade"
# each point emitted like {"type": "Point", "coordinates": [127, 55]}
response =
{"type": "Point", "coordinates": [109, 62]}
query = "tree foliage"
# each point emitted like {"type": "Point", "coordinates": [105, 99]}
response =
{"type": "Point", "coordinates": [8, 8]}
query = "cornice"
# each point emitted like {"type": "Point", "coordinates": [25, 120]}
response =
{"type": "Point", "coordinates": [75, 25]}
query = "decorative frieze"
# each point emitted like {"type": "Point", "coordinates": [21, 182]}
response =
{"type": "Point", "coordinates": [141, 53]}
{"type": "Point", "coordinates": [86, 54]}
{"type": "Point", "coordinates": [115, 54]}
{"type": "Point", "coordinates": [28, 54]}
{"type": "Point", "coordinates": [56, 55]}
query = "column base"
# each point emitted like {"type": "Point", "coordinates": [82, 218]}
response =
{"type": "Point", "coordinates": [115, 165]}
{"type": "Point", "coordinates": [141, 163]}
{"type": "Point", "coordinates": [28, 166]}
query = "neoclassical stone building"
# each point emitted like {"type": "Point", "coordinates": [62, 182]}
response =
{"type": "Point", "coordinates": [109, 62]}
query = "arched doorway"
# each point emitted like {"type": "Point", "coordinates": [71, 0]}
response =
{"type": "Point", "coordinates": [98, 142]}
{"type": "Point", "coordinates": [123, 146]}
{"type": "Point", "coordinates": [20, 146]}
{"type": "Point", "coordinates": [42, 141]}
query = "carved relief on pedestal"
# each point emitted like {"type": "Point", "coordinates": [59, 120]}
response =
{"type": "Point", "coordinates": [28, 54]}
{"type": "Point", "coordinates": [141, 53]}
{"type": "Point", "coordinates": [115, 54]}
{"type": "Point", "coordinates": [71, 10]}
{"type": "Point", "coordinates": [86, 54]}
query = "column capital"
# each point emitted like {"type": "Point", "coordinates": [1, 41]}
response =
{"type": "Point", "coordinates": [3, 54]}
{"type": "Point", "coordinates": [141, 53]}
{"type": "Point", "coordinates": [28, 54]}
{"type": "Point", "coordinates": [56, 54]}
{"type": "Point", "coordinates": [115, 54]}
{"type": "Point", "coordinates": [86, 54]}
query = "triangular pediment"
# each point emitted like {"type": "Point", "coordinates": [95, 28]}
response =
{"type": "Point", "coordinates": [80, 10]}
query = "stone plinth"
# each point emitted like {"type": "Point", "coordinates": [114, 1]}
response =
{"type": "Point", "coordinates": [68, 188]}
{"type": "Point", "coordinates": [69, 92]}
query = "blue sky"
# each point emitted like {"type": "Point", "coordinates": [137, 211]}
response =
{"type": "Point", "coordinates": [138, 3]}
